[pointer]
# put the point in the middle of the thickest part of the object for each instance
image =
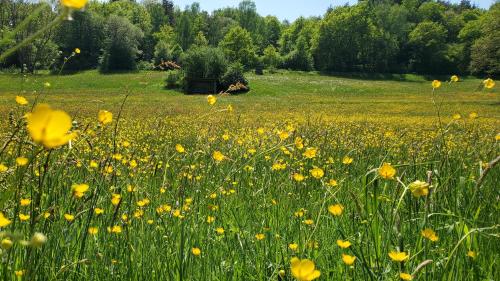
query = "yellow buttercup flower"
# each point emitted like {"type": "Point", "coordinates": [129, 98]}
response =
{"type": "Point", "coordinates": [436, 84]}
{"type": "Point", "coordinates": [24, 217]}
{"type": "Point", "coordinates": [25, 202]}
{"type": "Point", "coordinates": [317, 173]}
{"type": "Point", "coordinates": [69, 217]}
{"type": "Point", "coordinates": [6, 244]}
{"type": "Point", "coordinates": [79, 190]}
{"type": "Point", "coordinates": [260, 236]}
{"type": "Point", "coordinates": [430, 234]}
{"type": "Point", "coordinates": [196, 251]}
{"type": "Point", "coordinates": [211, 99]}
{"type": "Point", "coordinates": [219, 230]}
{"type": "Point", "coordinates": [454, 78]}
{"type": "Point", "coordinates": [3, 168]}
{"type": "Point", "coordinates": [336, 209]}
{"type": "Point", "coordinates": [348, 260]}
{"type": "Point", "coordinates": [4, 221]}
{"type": "Point", "coordinates": [77, 51]}
{"type": "Point", "coordinates": [179, 148]}
{"type": "Point", "coordinates": [387, 171]}
{"type": "Point", "coordinates": [298, 177]}
{"type": "Point", "coordinates": [293, 246]}
{"type": "Point", "coordinates": [419, 188]}
{"type": "Point", "coordinates": [21, 100]}
{"type": "Point", "coordinates": [472, 254]}
{"type": "Point", "coordinates": [405, 276]}
{"type": "Point", "coordinates": [38, 239]}
{"type": "Point", "coordinates": [74, 4]}
{"type": "Point", "coordinates": [49, 127]}
{"type": "Point", "coordinates": [21, 161]}
{"type": "Point", "coordinates": [489, 83]}
{"type": "Point", "coordinates": [304, 270]}
{"type": "Point", "coordinates": [398, 256]}
{"type": "Point", "coordinates": [310, 152]}
{"type": "Point", "coordinates": [347, 160]}
{"type": "Point", "coordinates": [218, 156]}
{"type": "Point", "coordinates": [343, 244]}
{"type": "Point", "coordinates": [93, 230]}
{"type": "Point", "coordinates": [105, 117]}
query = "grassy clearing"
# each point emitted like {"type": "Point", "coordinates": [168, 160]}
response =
{"type": "Point", "coordinates": [295, 167]}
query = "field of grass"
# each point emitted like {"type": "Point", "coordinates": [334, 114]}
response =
{"type": "Point", "coordinates": [369, 178]}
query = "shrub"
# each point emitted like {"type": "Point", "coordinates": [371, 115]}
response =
{"type": "Point", "coordinates": [234, 75]}
{"type": "Point", "coordinates": [173, 78]}
{"type": "Point", "coordinates": [203, 62]}
{"type": "Point", "coordinates": [145, 65]}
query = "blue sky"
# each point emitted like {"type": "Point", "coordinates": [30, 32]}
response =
{"type": "Point", "coordinates": [291, 9]}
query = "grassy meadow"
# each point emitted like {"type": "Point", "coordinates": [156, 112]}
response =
{"type": "Point", "coordinates": [367, 177]}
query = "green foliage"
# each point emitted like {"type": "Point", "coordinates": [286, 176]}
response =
{"type": "Point", "coordinates": [428, 41]}
{"type": "Point", "coordinates": [271, 57]}
{"type": "Point", "coordinates": [200, 39]}
{"type": "Point", "coordinates": [238, 46]}
{"type": "Point", "coordinates": [86, 32]}
{"type": "Point", "coordinates": [203, 62]}
{"type": "Point", "coordinates": [300, 58]}
{"type": "Point", "coordinates": [233, 75]}
{"type": "Point", "coordinates": [173, 79]}
{"type": "Point", "coordinates": [121, 45]}
{"type": "Point", "coordinates": [485, 51]}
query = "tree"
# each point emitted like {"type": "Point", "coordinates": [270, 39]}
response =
{"type": "Point", "coordinates": [485, 51]}
{"type": "Point", "coordinates": [300, 58]}
{"type": "Point", "coordinates": [238, 46]}
{"type": "Point", "coordinates": [428, 42]}
{"type": "Point", "coordinates": [121, 45]}
{"type": "Point", "coordinates": [86, 32]}
{"type": "Point", "coordinates": [273, 31]}
{"type": "Point", "coordinates": [248, 15]}
{"type": "Point", "coordinates": [271, 57]}
{"type": "Point", "coordinates": [200, 39]}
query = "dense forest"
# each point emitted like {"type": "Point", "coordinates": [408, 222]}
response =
{"type": "Point", "coordinates": [431, 37]}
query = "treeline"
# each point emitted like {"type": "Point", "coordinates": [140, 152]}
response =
{"type": "Point", "coordinates": [420, 36]}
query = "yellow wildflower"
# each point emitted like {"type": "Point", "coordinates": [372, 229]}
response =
{"type": "Point", "coordinates": [304, 270]}
{"type": "Point", "coordinates": [49, 127]}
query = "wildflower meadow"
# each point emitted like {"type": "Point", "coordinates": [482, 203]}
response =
{"type": "Point", "coordinates": [306, 176]}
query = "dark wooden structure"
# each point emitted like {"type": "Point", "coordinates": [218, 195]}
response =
{"type": "Point", "coordinates": [201, 86]}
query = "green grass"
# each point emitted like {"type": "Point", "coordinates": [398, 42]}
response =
{"type": "Point", "coordinates": [372, 121]}
{"type": "Point", "coordinates": [290, 92]}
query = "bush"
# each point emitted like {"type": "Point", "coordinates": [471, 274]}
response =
{"type": "Point", "coordinates": [203, 62]}
{"type": "Point", "coordinates": [121, 45]}
{"type": "Point", "coordinates": [172, 81]}
{"type": "Point", "coordinates": [145, 65]}
{"type": "Point", "coordinates": [234, 75]}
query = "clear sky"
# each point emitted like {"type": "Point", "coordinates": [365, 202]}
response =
{"type": "Point", "coordinates": [291, 9]}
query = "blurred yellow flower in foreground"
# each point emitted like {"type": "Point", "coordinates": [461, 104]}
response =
{"type": "Point", "coordinates": [436, 84]}
{"type": "Point", "coordinates": [3, 168]}
{"type": "Point", "coordinates": [304, 270]}
{"type": "Point", "coordinates": [74, 4]}
{"type": "Point", "coordinates": [49, 127]}
{"type": "Point", "coordinates": [77, 51]}
{"type": "Point", "coordinates": [454, 78]}
{"type": "Point", "coordinates": [105, 117]}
